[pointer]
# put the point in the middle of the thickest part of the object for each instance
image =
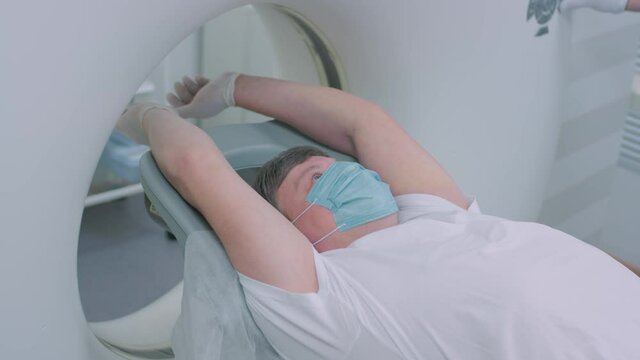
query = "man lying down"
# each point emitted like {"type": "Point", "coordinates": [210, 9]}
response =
{"type": "Point", "coordinates": [336, 257]}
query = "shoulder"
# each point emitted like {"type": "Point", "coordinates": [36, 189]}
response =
{"type": "Point", "coordinates": [299, 324]}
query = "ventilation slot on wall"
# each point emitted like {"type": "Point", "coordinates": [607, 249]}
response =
{"type": "Point", "coordinates": [630, 147]}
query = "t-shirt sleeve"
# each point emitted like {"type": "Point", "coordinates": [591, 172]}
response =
{"type": "Point", "coordinates": [303, 326]}
{"type": "Point", "coordinates": [412, 206]}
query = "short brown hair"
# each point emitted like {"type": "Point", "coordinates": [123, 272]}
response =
{"type": "Point", "coordinates": [273, 172]}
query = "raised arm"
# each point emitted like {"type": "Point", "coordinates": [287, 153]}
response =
{"type": "Point", "coordinates": [354, 126]}
{"type": "Point", "coordinates": [257, 238]}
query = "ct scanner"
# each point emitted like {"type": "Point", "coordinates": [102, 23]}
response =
{"type": "Point", "coordinates": [456, 74]}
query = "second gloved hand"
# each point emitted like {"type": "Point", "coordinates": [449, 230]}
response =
{"type": "Point", "coordinates": [130, 122]}
{"type": "Point", "coordinates": [201, 99]}
{"type": "Point", "coordinates": [610, 6]}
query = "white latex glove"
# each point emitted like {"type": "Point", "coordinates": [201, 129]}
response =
{"type": "Point", "coordinates": [610, 6]}
{"type": "Point", "coordinates": [201, 99]}
{"type": "Point", "coordinates": [130, 122]}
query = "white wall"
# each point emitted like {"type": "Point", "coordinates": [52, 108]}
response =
{"type": "Point", "coordinates": [181, 61]}
{"type": "Point", "coordinates": [579, 194]}
{"type": "Point", "coordinates": [621, 233]}
{"type": "Point", "coordinates": [238, 41]}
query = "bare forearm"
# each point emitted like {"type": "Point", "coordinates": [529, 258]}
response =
{"type": "Point", "coordinates": [354, 126]}
{"type": "Point", "coordinates": [328, 115]}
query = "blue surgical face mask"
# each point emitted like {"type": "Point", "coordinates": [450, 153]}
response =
{"type": "Point", "coordinates": [353, 194]}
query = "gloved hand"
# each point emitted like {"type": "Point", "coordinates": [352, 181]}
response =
{"type": "Point", "coordinates": [130, 122]}
{"type": "Point", "coordinates": [202, 98]}
{"type": "Point", "coordinates": [610, 6]}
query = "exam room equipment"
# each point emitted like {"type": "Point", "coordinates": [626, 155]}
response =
{"type": "Point", "coordinates": [450, 72]}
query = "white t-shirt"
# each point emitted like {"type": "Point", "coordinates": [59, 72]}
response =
{"type": "Point", "coordinates": [449, 283]}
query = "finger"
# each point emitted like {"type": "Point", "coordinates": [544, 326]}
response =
{"type": "Point", "coordinates": [190, 85]}
{"type": "Point", "coordinates": [184, 112]}
{"type": "Point", "coordinates": [182, 92]}
{"type": "Point", "coordinates": [174, 101]}
{"type": "Point", "coordinates": [201, 80]}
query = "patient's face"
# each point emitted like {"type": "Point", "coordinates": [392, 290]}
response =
{"type": "Point", "coordinates": [317, 221]}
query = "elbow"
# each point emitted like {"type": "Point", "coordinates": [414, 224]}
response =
{"type": "Point", "coordinates": [182, 166]}
{"type": "Point", "coordinates": [189, 161]}
{"type": "Point", "coordinates": [372, 117]}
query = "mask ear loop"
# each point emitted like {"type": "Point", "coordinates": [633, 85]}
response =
{"type": "Point", "coordinates": [327, 236]}
{"type": "Point", "coordinates": [304, 211]}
